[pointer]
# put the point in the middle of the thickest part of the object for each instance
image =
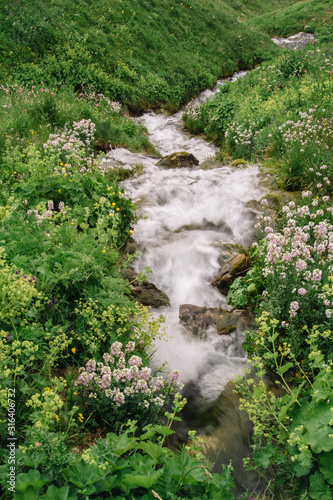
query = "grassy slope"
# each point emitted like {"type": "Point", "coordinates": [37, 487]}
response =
{"type": "Point", "coordinates": [142, 52]}
{"type": "Point", "coordinates": [308, 15]}
{"type": "Point", "coordinates": [247, 9]}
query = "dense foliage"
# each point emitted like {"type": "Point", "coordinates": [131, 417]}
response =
{"type": "Point", "coordinates": [307, 15]}
{"type": "Point", "coordinates": [280, 111]}
{"type": "Point", "coordinates": [144, 54]}
{"type": "Point", "coordinates": [75, 348]}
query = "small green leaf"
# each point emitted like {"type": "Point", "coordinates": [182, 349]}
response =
{"type": "Point", "coordinates": [284, 368]}
{"type": "Point", "coordinates": [262, 457]}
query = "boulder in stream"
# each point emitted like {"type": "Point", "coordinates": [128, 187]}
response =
{"type": "Point", "coordinates": [146, 293]}
{"type": "Point", "coordinates": [198, 319]}
{"type": "Point", "coordinates": [180, 159]}
{"type": "Point", "coordinates": [235, 267]}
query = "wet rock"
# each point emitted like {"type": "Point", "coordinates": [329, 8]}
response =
{"type": "Point", "coordinates": [272, 201]}
{"type": "Point", "coordinates": [212, 163]}
{"type": "Point", "coordinates": [146, 293]}
{"type": "Point", "coordinates": [235, 267]}
{"type": "Point", "coordinates": [205, 225]}
{"type": "Point", "coordinates": [254, 205]}
{"type": "Point", "coordinates": [198, 319]}
{"type": "Point", "coordinates": [180, 159]}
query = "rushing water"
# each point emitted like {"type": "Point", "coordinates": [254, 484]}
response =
{"type": "Point", "coordinates": [190, 216]}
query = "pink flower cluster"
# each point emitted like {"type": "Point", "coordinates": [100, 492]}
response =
{"type": "Point", "coordinates": [299, 258]}
{"type": "Point", "coordinates": [123, 376]}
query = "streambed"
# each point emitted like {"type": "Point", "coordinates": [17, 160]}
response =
{"type": "Point", "coordinates": [190, 217]}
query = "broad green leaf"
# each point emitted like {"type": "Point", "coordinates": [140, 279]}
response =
{"type": "Point", "coordinates": [284, 368]}
{"type": "Point", "coordinates": [262, 457]}
{"type": "Point", "coordinates": [152, 449]}
{"type": "Point", "coordinates": [162, 429]}
{"type": "Point", "coordinates": [326, 466]}
{"type": "Point", "coordinates": [32, 478]}
{"type": "Point", "coordinates": [124, 444]}
{"type": "Point", "coordinates": [54, 493]}
{"type": "Point", "coordinates": [319, 490]}
{"type": "Point", "coordinates": [30, 493]}
{"type": "Point", "coordinates": [318, 428]}
{"type": "Point", "coordinates": [303, 464]}
{"type": "Point", "coordinates": [145, 481]}
{"type": "Point", "coordinates": [82, 474]}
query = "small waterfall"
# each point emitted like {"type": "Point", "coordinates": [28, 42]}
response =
{"type": "Point", "coordinates": [189, 218]}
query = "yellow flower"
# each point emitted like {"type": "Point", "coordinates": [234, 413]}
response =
{"type": "Point", "coordinates": [113, 204]}
{"type": "Point", "coordinates": [73, 350]}
{"type": "Point", "coordinates": [14, 172]}
{"type": "Point", "coordinates": [47, 389]}
{"type": "Point", "coordinates": [61, 164]}
{"type": "Point", "coordinates": [59, 190]}
{"type": "Point", "coordinates": [66, 164]}
{"type": "Point", "coordinates": [131, 231]}
{"type": "Point", "coordinates": [117, 209]}
{"type": "Point", "coordinates": [75, 393]}
{"type": "Point", "coordinates": [56, 416]}
{"type": "Point", "coordinates": [103, 251]}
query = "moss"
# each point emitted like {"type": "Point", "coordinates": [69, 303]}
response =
{"type": "Point", "coordinates": [238, 162]}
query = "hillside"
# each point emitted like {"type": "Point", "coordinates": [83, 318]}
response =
{"type": "Point", "coordinates": [142, 53]}
{"type": "Point", "coordinates": [309, 15]}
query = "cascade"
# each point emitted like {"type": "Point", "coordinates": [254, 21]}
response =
{"type": "Point", "coordinates": [191, 216]}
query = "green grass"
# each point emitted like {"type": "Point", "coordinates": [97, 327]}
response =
{"type": "Point", "coordinates": [143, 53]}
{"type": "Point", "coordinates": [309, 15]}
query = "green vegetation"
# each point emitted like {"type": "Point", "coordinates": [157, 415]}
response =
{"type": "Point", "coordinates": [309, 15]}
{"type": "Point", "coordinates": [72, 339]}
{"type": "Point", "coordinates": [142, 54]}
{"type": "Point", "coordinates": [280, 112]}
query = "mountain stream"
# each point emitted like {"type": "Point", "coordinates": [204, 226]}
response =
{"type": "Point", "coordinates": [190, 216]}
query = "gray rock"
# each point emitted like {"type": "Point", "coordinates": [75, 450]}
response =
{"type": "Point", "coordinates": [146, 293]}
{"type": "Point", "coordinates": [198, 319]}
{"type": "Point", "coordinates": [235, 267]}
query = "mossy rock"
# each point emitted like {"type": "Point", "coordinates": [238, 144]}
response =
{"type": "Point", "coordinates": [180, 159]}
{"type": "Point", "coordinates": [239, 162]}
{"type": "Point", "coordinates": [273, 200]}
